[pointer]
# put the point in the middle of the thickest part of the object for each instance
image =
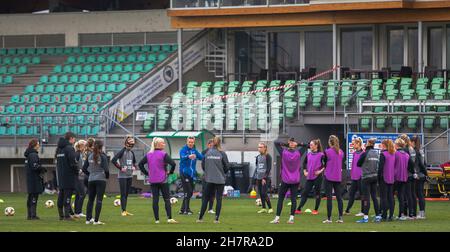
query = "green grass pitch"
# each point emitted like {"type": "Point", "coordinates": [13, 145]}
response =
{"type": "Point", "coordinates": [238, 215]}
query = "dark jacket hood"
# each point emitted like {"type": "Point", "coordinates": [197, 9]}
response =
{"type": "Point", "coordinates": [62, 142]}
{"type": "Point", "coordinates": [29, 150]}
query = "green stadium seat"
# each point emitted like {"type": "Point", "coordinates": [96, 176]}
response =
{"type": "Point", "coordinates": [121, 87]}
{"type": "Point", "coordinates": [156, 48]}
{"type": "Point", "coordinates": [148, 67]}
{"type": "Point", "coordinates": [121, 58]}
{"type": "Point", "coordinates": [59, 89]}
{"type": "Point", "coordinates": [90, 88]}
{"type": "Point", "coordinates": [142, 58]}
{"type": "Point", "coordinates": [101, 88]}
{"type": "Point", "coordinates": [58, 69]}
{"type": "Point", "coordinates": [66, 98]}
{"type": "Point", "coordinates": [107, 97]}
{"type": "Point", "coordinates": [111, 88]}
{"type": "Point", "coordinates": [48, 88]}
{"type": "Point", "coordinates": [118, 68]}
{"type": "Point", "coordinates": [115, 77]}
{"type": "Point", "coordinates": [63, 79]}
{"type": "Point", "coordinates": [41, 109]}
{"type": "Point", "coordinates": [72, 109]}
{"type": "Point", "coordinates": [428, 122]}
{"type": "Point", "coordinates": [45, 98]}
{"type": "Point", "coordinates": [87, 69]}
{"type": "Point", "coordinates": [135, 77]}
{"type": "Point", "coordinates": [87, 97]}
{"type": "Point", "coordinates": [98, 69]}
{"type": "Point", "coordinates": [15, 99]}
{"type": "Point", "coordinates": [104, 78]}
{"type": "Point", "coordinates": [108, 68]}
{"type": "Point", "coordinates": [71, 60]}
{"type": "Point", "coordinates": [76, 98]}
{"type": "Point", "coordinates": [80, 88]}
{"type": "Point", "coordinates": [94, 78]}
{"type": "Point", "coordinates": [111, 59]}
{"type": "Point", "coordinates": [365, 123]}
{"type": "Point", "coordinates": [12, 70]}
{"type": "Point", "coordinates": [101, 59]}
{"type": "Point", "coordinates": [67, 69]}
{"type": "Point", "coordinates": [56, 98]}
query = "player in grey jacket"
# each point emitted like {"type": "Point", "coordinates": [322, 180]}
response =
{"type": "Point", "coordinates": [215, 164]}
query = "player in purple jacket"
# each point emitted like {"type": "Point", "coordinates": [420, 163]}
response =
{"type": "Point", "coordinates": [290, 176]}
{"type": "Point", "coordinates": [313, 166]}
{"type": "Point", "coordinates": [355, 175]}
{"type": "Point", "coordinates": [157, 160]}
{"type": "Point", "coordinates": [402, 164]}
{"type": "Point", "coordinates": [386, 168]}
{"type": "Point", "coordinates": [333, 177]}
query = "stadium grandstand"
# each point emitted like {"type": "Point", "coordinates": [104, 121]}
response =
{"type": "Point", "coordinates": [245, 70]}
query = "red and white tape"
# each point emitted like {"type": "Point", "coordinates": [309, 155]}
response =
{"type": "Point", "coordinates": [220, 97]}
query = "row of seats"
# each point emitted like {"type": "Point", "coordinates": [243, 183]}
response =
{"type": "Point", "coordinates": [20, 60]}
{"type": "Point", "coordinates": [99, 68]}
{"type": "Point", "coordinates": [122, 58]}
{"type": "Point", "coordinates": [412, 122]}
{"type": "Point", "coordinates": [13, 69]}
{"type": "Point", "coordinates": [85, 78]}
{"type": "Point", "coordinates": [71, 88]}
{"type": "Point", "coordinates": [8, 79]}
{"type": "Point", "coordinates": [49, 109]}
{"type": "Point", "coordinates": [86, 130]}
{"type": "Point", "coordinates": [89, 50]}
{"type": "Point", "coordinates": [50, 120]}
{"type": "Point", "coordinates": [60, 98]}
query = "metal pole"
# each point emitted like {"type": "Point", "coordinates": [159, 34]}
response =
{"type": "Point", "coordinates": [420, 52]}
{"type": "Point", "coordinates": [180, 59]}
{"type": "Point", "coordinates": [335, 51]}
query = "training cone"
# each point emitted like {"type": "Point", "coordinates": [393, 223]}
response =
{"type": "Point", "coordinates": [253, 194]}
{"type": "Point", "coordinates": [308, 210]}
{"type": "Point", "coordinates": [2, 201]}
{"type": "Point", "coordinates": [117, 196]}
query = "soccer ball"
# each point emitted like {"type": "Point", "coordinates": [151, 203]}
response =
{"type": "Point", "coordinates": [258, 202]}
{"type": "Point", "coordinates": [117, 202]}
{"type": "Point", "coordinates": [173, 200]}
{"type": "Point", "coordinates": [9, 211]}
{"type": "Point", "coordinates": [49, 204]}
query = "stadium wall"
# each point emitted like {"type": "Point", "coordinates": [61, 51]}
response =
{"type": "Point", "coordinates": [73, 24]}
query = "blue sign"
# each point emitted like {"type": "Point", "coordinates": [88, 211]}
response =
{"type": "Point", "coordinates": [366, 136]}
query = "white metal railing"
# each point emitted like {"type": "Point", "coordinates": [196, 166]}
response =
{"type": "Point", "coordinates": [216, 4]}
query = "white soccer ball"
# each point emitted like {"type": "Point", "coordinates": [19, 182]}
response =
{"type": "Point", "coordinates": [258, 202]}
{"type": "Point", "coordinates": [173, 200]}
{"type": "Point", "coordinates": [9, 211]}
{"type": "Point", "coordinates": [117, 202]}
{"type": "Point", "coordinates": [49, 204]}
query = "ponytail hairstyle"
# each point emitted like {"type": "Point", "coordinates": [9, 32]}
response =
{"type": "Point", "coordinates": [98, 148]}
{"type": "Point", "coordinates": [371, 142]}
{"type": "Point", "coordinates": [400, 143]}
{"type": "Point", "coordinates": [217, 143]}
{"type": "Point", "coordinates": [90, 144]}
{"type": "Point", "coordinates": [129, 141]}
{"type": "Point", "coordinates": [333, 142]}
{"type": "Point", "coordinates": [416, 141]}
{"type": "Point", "coordinates": [155, 143]}
{"type": "Point", "coordinates": [405, 138]}
{"type": "Point", "coordinates": [33, 143]}
{"type": "Point", "coordinates": [318, 144]}
{"type": "Point", "coordinates": [389, 145]}
{"type": "Point", "coordinates": [265, 148]}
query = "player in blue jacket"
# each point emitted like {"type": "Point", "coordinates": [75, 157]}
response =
{"type": "Point", "coordinates": [188, 161]}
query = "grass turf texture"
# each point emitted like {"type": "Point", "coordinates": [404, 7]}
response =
{"type": "Point", "coordinates": [237, 215]}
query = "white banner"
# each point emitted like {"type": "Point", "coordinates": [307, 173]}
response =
{"type": "Point", "coordinates": [157, 82]}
